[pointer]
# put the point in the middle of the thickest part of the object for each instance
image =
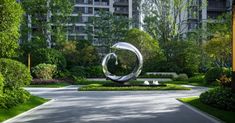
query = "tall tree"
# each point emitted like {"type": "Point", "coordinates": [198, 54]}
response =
{"type": "Point", "coordinates": [162, 18]}
{"type": "Point", "coordinates": [11, 16]}
{"type": "Point", "coordinates": [108, 28]}
{"type": "Point", "coordinates": [45, 21]}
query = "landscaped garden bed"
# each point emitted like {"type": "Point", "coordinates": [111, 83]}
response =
{"type": "Point", "coordinates": [31, 103]}
{"type": "Point", "coordinates": [226, 116]}
{"type": "Point", "coordinates": [103, 87]}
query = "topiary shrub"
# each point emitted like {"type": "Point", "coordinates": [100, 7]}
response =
{"type": "Point", "coordinates": [182, 77]}
{"type": "Point", "coordinates": [44, 71]}
{"type": "Point", "coordinates": [219, 97]}
{"type": "Point", "coordinates": [215, 73]}
{"type": "Point", "coordinates": [49, 56]}
{"type": "Point", "coordinates": [13, 97]}
{"type": "Point", "coordinates": [15, 73]}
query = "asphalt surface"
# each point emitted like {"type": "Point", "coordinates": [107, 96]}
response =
{"type": "Point", "coordinates": [71, 106]}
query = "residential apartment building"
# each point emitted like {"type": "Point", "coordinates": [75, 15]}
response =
{"type": "Point", "coordinates": [200, 13]}
{"type": "Point", "coordinates": [84, 10]}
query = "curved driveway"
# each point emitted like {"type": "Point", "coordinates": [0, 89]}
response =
{"type": "Point", "coordinates": [71, 106]}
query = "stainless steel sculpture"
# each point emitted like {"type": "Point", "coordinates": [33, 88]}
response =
{"type": "Point", "coordinates": [134, 74]}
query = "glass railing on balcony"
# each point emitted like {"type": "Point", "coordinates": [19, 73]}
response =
{"type": "Point", "coordinates": [101, 3]}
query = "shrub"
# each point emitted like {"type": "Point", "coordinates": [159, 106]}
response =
{"type": "Point", "coordinates": [13, 97]}
{"type": "Point", "coordinates": [171, 76]}
{"type": "Point", "coordinates": [197, 78]}
{"type": "Point", "coordinates": [219, 97]}
{"type": "Point", "coordinates": [94, 72]}
{"type": "Point", "coordinates": [225, 81]}
{"type": "Point", "coordinates": [215, 73]}
{"type": "Point", "coordinates": [44, 71]}
{"type": "Point", "coordinates": [182, 77]}
{"type": "Point", "coordinates": [15, 73]}
{"type": "Point", "coordinates": [49, 56]}
{"type": "Point", "coordinates": [1, 83]}
{"type": "Point", "coordinates": [78, 71]}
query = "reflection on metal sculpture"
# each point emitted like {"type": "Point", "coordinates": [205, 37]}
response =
{"type": "Point", "coordinates": [134, 74]}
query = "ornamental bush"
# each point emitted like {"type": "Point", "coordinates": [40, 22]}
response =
{"type": "Point", "coordinates": [11, 98]}
{"type": "Point", "coordinates": [215, 73]}
{"type": "Point", "coordinates": [44, 71]}
{"type": "Point", "coordinates": [49, 56]}
{"type": "Point", "coordinates": [15, 73]}
{"type": "Point", "coordinates": [182, 77]}
{"type": "Point", "coordinates": [219, 97]}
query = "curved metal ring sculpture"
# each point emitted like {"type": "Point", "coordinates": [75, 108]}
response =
{"type": "Point", "coordinates": [137, 70]}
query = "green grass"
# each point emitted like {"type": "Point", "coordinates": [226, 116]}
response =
{"type": "Point", "coordinates": [227, 116]}
{"type": "Point", "coordinates": [204, 84]}
{"type": "Point", "coordinates": [31, 103]}
{"type": "Point", "coordinates": [99, 87]}
{"type": "Point", "coordinates": [54, 85]}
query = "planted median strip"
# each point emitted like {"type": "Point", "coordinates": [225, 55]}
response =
{"type": "Point", "coordinates": [100, 87]}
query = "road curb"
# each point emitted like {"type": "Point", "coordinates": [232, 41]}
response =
{"type": "Point", "coordinates": [202, 113]}
{"type": "Point", "coordinates": [27, 112]}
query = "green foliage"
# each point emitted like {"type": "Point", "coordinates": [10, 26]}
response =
{"type": "Point", "coordinates": [182, 77]}
{"type": "Point", "coordinates": [215, 73]}
{"type": "Point", "coordinates": [148, 47]}
{"type": "Point", "coordinates": [49, 56]}
{"type": "Point", "coordinates": [15, 73]}
{"type": "Point", "coordinates": [1, 83]}
{"type": "Point", "coordinates": [85, 72]}
{"type": "Point", "coordinates": [38, 9]}
{"type": "Point", "coordinates": [197, 78]}
{"type": "Point", "coordinates": [45, 71]}
{"type": "Point", "coordinates": [181, 57]}
{"type": "Point", "coordinates": [109, 28]}
{"type": "Point", "coordinates": [219, 48]}
{"type": "Point", "coordinates": [225, 81]}
{"type": "Point", "coordinates": [9, 27]}
{"type": "Point", "coordinates": [99, 87]}
{"type": "Point", "coordinates": [78, 71]}
{"type": "Point", "coordinates": [12, 98]}
{"type": "Point", "coordinates": [219, 97]}
{"type": "Point", "coordinates": [81, 53]}
{"type": "Point", "coordinates": [14, 111]}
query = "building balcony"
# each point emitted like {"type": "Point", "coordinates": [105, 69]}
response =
{"type": "Point", "coordinates": [121, 12]}
{"type": "Point", "coordinates": [121, 3]}
{"type": "Point", "coordinates": [216, 9]}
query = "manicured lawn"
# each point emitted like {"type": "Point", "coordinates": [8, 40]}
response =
{"type": "Point", "coordinates": [52, 85]}
{"type": "Point", "coordinates": [100, 87]}
{"type": "Point", "coordinates": [227, 116]}
{"type": "Point", "coordinates": [191, 83]}
{"type": "Point", "coordinates": [33, 102]}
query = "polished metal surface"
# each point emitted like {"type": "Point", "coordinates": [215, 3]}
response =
{"type": "Point", "coordinates": [136, 71]}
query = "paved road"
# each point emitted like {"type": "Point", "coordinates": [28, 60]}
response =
{"type": "Point", "coordinates": [71, 106]}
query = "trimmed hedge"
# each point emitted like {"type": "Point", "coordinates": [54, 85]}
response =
{"type": "Point", "coordinates": [44, 71]}
{"type": "Point", "coordinates": [219, 97]}
{"type": "Point", "coordinates": [15, 73]}
{"type": "Point", "coordinates": [49, 56]}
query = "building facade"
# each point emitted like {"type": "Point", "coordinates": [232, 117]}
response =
{"type": "Point", "coordinates": [199, 13]}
